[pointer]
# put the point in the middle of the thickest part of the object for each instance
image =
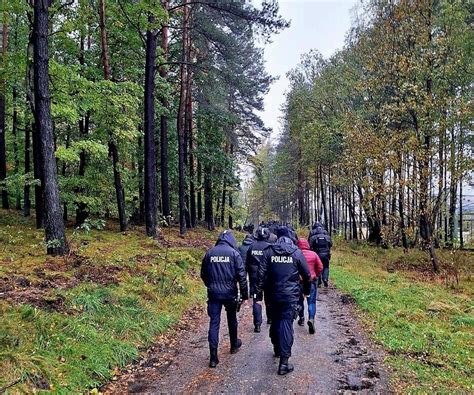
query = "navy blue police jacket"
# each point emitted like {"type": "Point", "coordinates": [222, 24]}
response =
{"type": "Point", "coordinates": [280, 272]}
{"type": "Point", "coordinates": [252, 262]}
{"type": "Point", "coordinates": [222, 268]}
{"type": "Point", "coordinates": [248, 241]}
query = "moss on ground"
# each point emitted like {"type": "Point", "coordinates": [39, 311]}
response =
{"type": "Point", "coordinates": [425, 322]}
{"type": "Point", "coordinates": [68, 323]}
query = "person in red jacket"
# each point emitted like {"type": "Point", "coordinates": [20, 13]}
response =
{"type": "Point", "coordinates": [315, 267]}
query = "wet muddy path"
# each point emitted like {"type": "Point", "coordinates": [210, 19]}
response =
{"type": "Point", "coordinates": [337, 359]}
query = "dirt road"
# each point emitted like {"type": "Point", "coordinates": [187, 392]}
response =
{"type": "Point", "coordinates": [338, 359]}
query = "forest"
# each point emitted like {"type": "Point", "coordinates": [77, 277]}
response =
{"type": "Point", "coordinates": [376, 141]}
{"type": "Point", "coordinates": [138, 111]}
{"type": "Point", "coordinates": [133, 132]}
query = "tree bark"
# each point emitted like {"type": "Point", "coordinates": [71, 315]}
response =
{"type": "Point", "coordinates": [149, 123]}
{"type": "Point", "coordinates": [165, 194]}
{"type": "Point", "coordinates": [323, 195]}
{"type": "Point", "coordinates": [208, 209]}
{"type": "Point", "coordinates": [189, 130]}
{"type": "Point", "coordinates": [81, 208]}
{"type": "Point", "coordinates": [180, 125]}
{"type": "Point", "coordinates": [401, 208]}
{"type": "Point", "coordinates": [15, 147]}
{"type": "Point", "coordinates": [26, 188]}
{"type": "Point", "coordinates": [3, 153]}
{"type": "Point", "coordinates": [199, 191]}
{"type": "Point", "coordinates": [113, 149]}
{"type": "Point", "coordinates": [54, 226]}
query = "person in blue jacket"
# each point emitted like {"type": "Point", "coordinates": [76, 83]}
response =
{"type": "Point", "coordinates": [252, 263]}
{"type": "Point", "coordinates": [279, 275]}
{"type": "Point", "coordinates": [222, 270]}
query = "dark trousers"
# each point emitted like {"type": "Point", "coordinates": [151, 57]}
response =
{"type": "Point", "coordinates": [256, 306]}
{"type": "Point", "coordinates": [214, 309]}
{"type": "Point", "coordinates": [325, 275]}
{"type": "Point", "coordinates": [267, 306]}
{"type": "Point", "coordinates": [281, 329]}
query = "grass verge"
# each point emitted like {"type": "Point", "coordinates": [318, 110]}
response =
{"type": "Point", "coordinates": [67, 324]}
{"type": "Point", "coordinates": [424, 322]}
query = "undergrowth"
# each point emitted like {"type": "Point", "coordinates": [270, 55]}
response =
{"type": "Point", "coordinates": [69, 323]}
{"type": "Point", "coordinates": [424, 322]}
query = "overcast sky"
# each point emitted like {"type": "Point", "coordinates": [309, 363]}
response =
{"type": "Point", "coordinates": [315, 24]}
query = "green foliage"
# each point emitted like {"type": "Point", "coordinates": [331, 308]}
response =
{"type": "Point", "coordinates": [425, 326]}
{"type": "Point", "coordinates": [74, 337]}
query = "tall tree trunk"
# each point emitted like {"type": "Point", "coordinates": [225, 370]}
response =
{"type": "Point", "coordinates": [426, 229]}
{"type": "Point", "coordinates": [224, 197]}
{"type": "Point", "coordinates": [208, 209]}
{"type": "Point", "coordinates": [82, 211]}
{"type": "Point", "coordinates": [149, 123]}
{"type": "Point", "coordinates": [461, 177]}
{"type": "Point", "coordinates": [452, 190]}
{"type": "Point", "coordinates": [180, 126]}
{"type": "Point", "coordinates": [199, 192]}
{"type": "Point", "coordinates": [165, 194]}
{"type": "Point", "coordinates": [300, 194]}
{"type": "Point", "coordinates": [401, 197]}
{"type": "Point", "coordinates": [331, 203]}
{"type": "Point", "coordinates": [37, 168]}
{"type": "Point", "coordinates": [15, 147]}
{"type": "Point", "coordinates": [113, 149]}
{"type": "Point", "coordinates": [3, 153]}
{"type": "Point", "coordinates": [323, 195]}
{"type": "Point", "coordinates": [38, 174]}
{"type": "Point", "coordinates": [231, 200]}
{"type": "Point", "coordinates": [54, 226]}
{"type": "Point", "coordinates": [189, 129]}
{"type": "Point", "coordinates": [26, 188]}
{"type": "Point", "coordinates": [63, 174]}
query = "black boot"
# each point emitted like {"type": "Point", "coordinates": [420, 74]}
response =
{"type": "Point", "coordinates": [311, 326]}
{"type": "Point", "coordinates": [257, 329]}
{"type": "Point", "coordinates": [285, 367]}
{"type": "Point", "coordinates": [235, 347]}
{"type": "Point", "coordinates": [301, 321]}
{"type": "Point", "coordinates": [213, 360]}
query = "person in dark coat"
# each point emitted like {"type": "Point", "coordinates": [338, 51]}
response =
{"type": "Point", "coordinates": [222, 269]}
{"type": "Point", "coordinates": [279, 275]}
{"type": "Point", "coordinates": [316, 228]}
{"type": "Point", "coordinates": [244, 247]}
{"type": "Point", "coordinates": [254, 258]}
{"type": "Point", "coordinates": [321, 243]}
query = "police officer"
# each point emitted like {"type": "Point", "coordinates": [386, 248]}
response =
{"type": "Point", "coordinates": [222, 268]}
{"type": "Point", "coordinates": [244, 247]}
{"type": "Point", "coordinates": [321, 244]}
{"type": "Point", "coordinates": [279, 276]}
{"type": "Point", "coordinates": [252, 263]}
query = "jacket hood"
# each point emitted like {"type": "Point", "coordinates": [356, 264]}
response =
{"type": "Point", "coordinates": [228, 238]}
{"type": "Point", "coordinates": [284, 246]}
{"type": "Point", "coordinates": [317, 225]}
{"type": "Point", "coordinates": [248, 240]}
{"type": "Point", "coordinates": [303, 244]}
{"type": "Point", "coordinates": [283, 231]}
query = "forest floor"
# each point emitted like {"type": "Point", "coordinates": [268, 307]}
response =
{"type": "Point", "coordinates": [71, 324]}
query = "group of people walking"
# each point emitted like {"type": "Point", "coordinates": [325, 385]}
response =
{"type": "Point", "coordinates": [282, 271]}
